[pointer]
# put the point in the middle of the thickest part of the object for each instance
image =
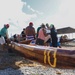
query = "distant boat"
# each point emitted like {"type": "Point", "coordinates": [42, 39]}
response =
{"type": "Point", "coordinates": [66, 40]}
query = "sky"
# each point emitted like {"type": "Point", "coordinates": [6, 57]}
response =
{"type": "Point", "coordinates": [18, 13]}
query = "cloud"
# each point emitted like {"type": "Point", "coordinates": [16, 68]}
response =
{"type": "Point", "coordinates": [66, 13]}
{"type": "Point", "coordinates": [31, 8]}
{"type": "Point", "coordinates": [11, 12]}
{"type": "Point", "coordinates": [64, 16]}
{"type": "Point", "coordinates": [35, 11]}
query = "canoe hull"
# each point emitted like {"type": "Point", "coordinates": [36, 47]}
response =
{"type": "Point", "coordinates": [54, 57]}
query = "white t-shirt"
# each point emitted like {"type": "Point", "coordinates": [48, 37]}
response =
{"type": "Point", "coordinates": [2, 40]}
{"type": "Point", "coordinates": [48, 31]}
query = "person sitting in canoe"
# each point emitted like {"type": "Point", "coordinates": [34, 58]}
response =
{"type": "Point", "coordinates": [37, 34]}
{"type": "Point", "coordinates": [42, 36]}
{"type": "Point", "coordinates": [30, 32]}
{"type": "Point", "coordinates": [23, 34]}
{"type": "Point", "coordinates": [48, 32]}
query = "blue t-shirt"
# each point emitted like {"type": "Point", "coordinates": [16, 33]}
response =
{"type": "Point", "coordinates": [3, 31]}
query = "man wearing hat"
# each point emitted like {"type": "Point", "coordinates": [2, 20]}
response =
{"type": "Point", "coordinates": [30, 32]}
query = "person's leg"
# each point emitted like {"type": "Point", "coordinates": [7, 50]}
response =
{"type": "Point", "coordinates": [37, 41]}
{"type": "Point", "coordinates": [58, 44]}
{"type": "Point", "coordinates": [41, 42]}
{"type": "Point", "coordinates": [47, 38]}
{"type": "Point", "coordinates": [51, 44]}
{"type": "Point", "coordinates": [48, 42]}
{"type": "Point", "coordinates": [54, 43]}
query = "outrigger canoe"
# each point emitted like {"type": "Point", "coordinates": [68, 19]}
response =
{"type": "Point", "coordinates": [66, 40]}
{"type": "Point", "coordinates": [54, 57]}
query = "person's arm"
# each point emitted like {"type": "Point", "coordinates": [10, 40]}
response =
{"type": "Point", "coordinates": [34, 33]}
{"type": "Point", "coordinates": [44, 31]}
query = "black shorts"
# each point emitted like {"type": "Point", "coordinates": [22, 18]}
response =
{"type": "Point", "coordinates": [39, 41]}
